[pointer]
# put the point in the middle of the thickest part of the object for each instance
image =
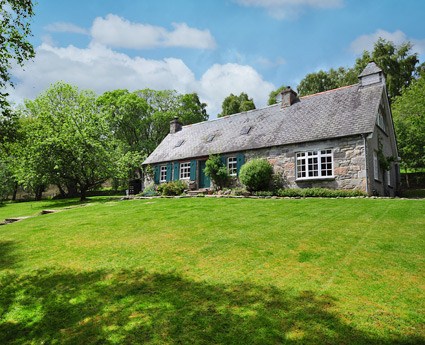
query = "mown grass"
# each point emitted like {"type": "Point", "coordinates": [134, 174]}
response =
{"type": "Point", "coordinates": [216, 271]}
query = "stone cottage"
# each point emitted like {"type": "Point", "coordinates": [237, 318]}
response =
{"type": "Point", "coordinates": [339, 139]}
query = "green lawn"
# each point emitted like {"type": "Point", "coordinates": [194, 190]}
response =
{"type": "Point", "coordinates": [214, 271]}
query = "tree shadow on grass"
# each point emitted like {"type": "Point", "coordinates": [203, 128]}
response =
{"type": "Point", "coordinates": [7, 258]}
{"type": "Point", "coordinates": [63, 203]}
{"type": "Point", "coordinates": [137, 307]}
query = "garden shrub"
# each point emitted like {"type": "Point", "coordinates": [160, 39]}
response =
{"type": "Point", "coordinates": [264, 193]}
{"type": "Point", "coordinates": [172, 188]}
{"type": "Point", "coordinates": [319, 192]}
{"type": "Point", "coordinates": [149, 190]}
{"type": "Point", "coordinates": [256, 175]}
{"type": "Point", "coordinates": [239, 191]}
{"type": "Point", "coordinates": [216, 171]}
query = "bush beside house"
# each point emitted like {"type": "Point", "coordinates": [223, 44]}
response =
{"type": "Point", "coordinates": [256, 175]}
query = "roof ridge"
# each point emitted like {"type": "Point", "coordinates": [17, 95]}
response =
{"type": "Point", "coordinates": [327, 91]}
{"type": "Point", "coordinates": [231, 115]}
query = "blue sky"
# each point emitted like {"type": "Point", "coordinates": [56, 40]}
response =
{"type": "Point", "coordinates": [212, 47]}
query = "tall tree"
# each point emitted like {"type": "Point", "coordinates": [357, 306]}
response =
{"type": "Point", "coordinates": [323, 81]}
{"type": "Point", "coordinates": [69, 139]}
{"type": "Point", "coordinates": [397, 62]}
{"type": "Point", "coordinates": [14, 44]}
{"type": "Point", "coordinates": [165, 105]}
{"type": "Point", "coordinates": [235, 104]}
{"type": "Point", "coordinates": [127, 115]}
{"type": "Point", "coordinates": [140, 120]}
{"type": "Point", "coordinates": [409, 122]}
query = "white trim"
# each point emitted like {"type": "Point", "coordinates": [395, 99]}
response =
{"type": "Point", "coordinates": [314, 165]}
{"type": "Point", "coordinates": [375, 166]}
{"type": "Point", "coordinates": [232, 166]}
{"type": "Point", "coordinates": [184, 173]}
{"type": "Point", "coordinates": [163, 173]}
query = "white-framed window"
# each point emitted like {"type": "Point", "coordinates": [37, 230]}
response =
{"type": "Point", "coordinates": [375, 166]}
{"type": "Point", "coordinates": [380, 120]}
{"type": "Point", "coordinates": [389, 178]}
{"type": "Point", "coordinates": [314, 164]}
{"type": "Point", "coordinates": [163, 173]}
{"type": "Point", "coordinates": [185, 171]}
{"type": "Point", "coordinates": [232, 166]}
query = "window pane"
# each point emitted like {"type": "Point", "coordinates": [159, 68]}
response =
{"type": "Point", "coordinates": [314, 163]}
{"type": "Point", "coordinates": [232, 166]}
{"type": "Point", "coordinates": [185, 170]}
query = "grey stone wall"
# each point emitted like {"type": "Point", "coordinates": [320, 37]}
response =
{"type": "Point", "coordinates": [349, 163]}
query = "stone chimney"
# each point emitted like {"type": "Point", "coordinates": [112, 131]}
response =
{"type": "Point", "coordinates": [175, 125]}
{"type": "Point", "coordinates": [289, 97]}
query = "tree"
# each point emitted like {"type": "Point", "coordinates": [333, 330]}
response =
{"type": "Point", "coordinates": [273, 95]}
{"type": "Point", "coordinates": [324, 81]}
{"type": "Point", "coordinates": [398, 63]}
{"type": "Point", "coordinates": [140, 120]}
{"type": "Point", "coordinates": [409, 122]}
{"type": "Point", "coordinates": [235, 104]}
{"type": "Point", "coordinates": [68, 140]}
{"type": "Point", "coordinates": [165, 105]}
{"type": "Point", "coordinates": [7, 182]}
{"type": "Point", "coordinates": [14, 33]}
{"type": "Point", "coordinates": [127, 115]}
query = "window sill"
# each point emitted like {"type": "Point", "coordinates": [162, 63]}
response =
{"type": "Point", "coordinates": [315, 178]}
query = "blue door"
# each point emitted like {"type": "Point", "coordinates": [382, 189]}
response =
{"type": "Point", "coordinates": [204, 181]}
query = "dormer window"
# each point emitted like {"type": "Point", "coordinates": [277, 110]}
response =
{"type": "Point", "coordinates": [245, 130]}
{"type": "Point", "coordinates": [179, 143]}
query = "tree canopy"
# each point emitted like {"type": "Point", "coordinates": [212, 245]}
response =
{"type": "Point", "coordinates": [273, 94]}
{"type": "Point", "coordinates": [235, 104]}
{"type": "Point", "coordinates": [67, 140]}
{"type": "Point", "coordinates": [409, 121]}
{"type": "Point", "coordinates": [140, 120]}
{"type": "Point", "coordinates": [323, 81]}
{"type": "Point", "coordinates": [398, 63]}
{"type": "Point", "coordinates": [15, 47]}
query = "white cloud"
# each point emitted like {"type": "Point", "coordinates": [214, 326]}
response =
{"type": "Point", "coordinates": [221, 80]}
{"type": "Point", "coordinates": [268, 63]}
{"type": "Point", "coordinates": [115, 31]}
{"type": "Point", "coordinates": [282, 9]}
{"type": "Point", "coordinates": [100, 68]}
{"type": "Point", "coordinates": [66, 27]}
{"type": "Point", "coordinates": [366, 42]}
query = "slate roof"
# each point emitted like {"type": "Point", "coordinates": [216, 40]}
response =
{"type": "Point", "coordinates": [371, 68]}
{"type": "Point", "coordinates": [336, 113]}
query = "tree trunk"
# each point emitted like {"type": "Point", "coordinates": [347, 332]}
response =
{"type": "Point", "coordinates": [61, 191]}
{"type": "Point", "coordinates": [72, 189]}
{"type": "Point", "coordinates": [15, 191]}
{"type": "Point", "coordinates": [83, 194]}
{"type": "Point", "coordinates": [39, 192]}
